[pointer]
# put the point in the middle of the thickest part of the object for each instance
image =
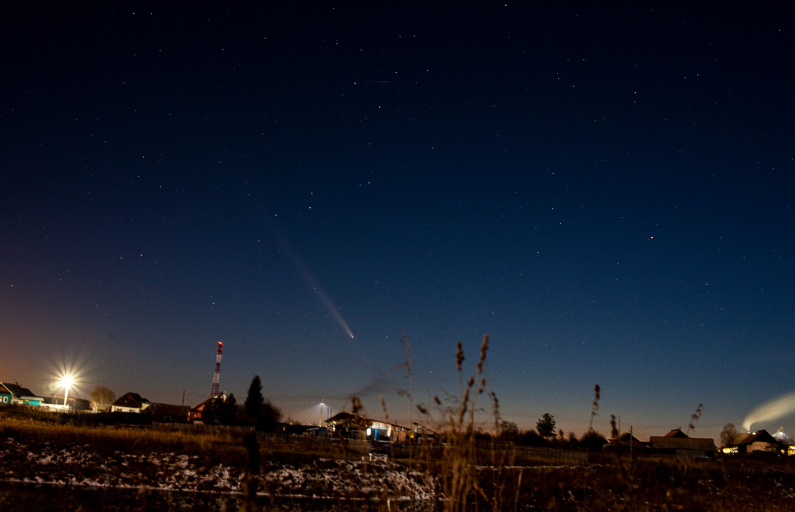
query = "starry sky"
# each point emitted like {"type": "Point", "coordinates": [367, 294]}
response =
{"type": "Point", "coordinates": [606, 192]}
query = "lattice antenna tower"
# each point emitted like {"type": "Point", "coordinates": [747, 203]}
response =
{"type": "Point", "coordinates": [217, 375]}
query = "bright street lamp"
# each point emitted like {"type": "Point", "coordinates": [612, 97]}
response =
{"type": "Point", "coordinates": [66, 382]}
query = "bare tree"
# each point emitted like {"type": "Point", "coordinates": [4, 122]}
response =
{"type": "Point", "coordinates": [728, 434]}
{"type": "Point", "coordinates": [101, 397]}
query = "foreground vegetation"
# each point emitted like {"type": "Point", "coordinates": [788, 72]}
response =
{"type": "Point", "coordinates": [456, 476]}
{"type": "Point", "coordinates": [131, 466]}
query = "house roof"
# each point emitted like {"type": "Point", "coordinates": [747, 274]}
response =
{"type": "Point", "coordinates": [346, 418]}
{"type": "Point", "coordinates": [19, 392]}
{"type": "Point", "coordinates": [132, 400]}
{"type": "Point", "coordinates": [677, 433]}
{"type": "Point", "coordinates": [200, 407]}
{"type": "Point", "coordinates": [761, 436]}
{"type": "Point", "coordinates": [626, 439]}
{"type": "Point", "coordinates": [682, 443]}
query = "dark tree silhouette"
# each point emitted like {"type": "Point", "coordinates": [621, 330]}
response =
{"type": "Point", "coordinates": [269, 418]}
{"type": "Point", "coordinates": [546, 426]}
{"type": "Point", "coordinates": [728, 434]}
{"type": "Point", "coordinates": [221, 410]}
{"type": "Point", "coordinates": [592, 441]}
{"type": "Point", "coordinates": [508, 432]}
{"type": "Point", "coordinates": [254, 399]}
{"type": "Point", "coordinates": [264, 415]}
{"type": "Point", "coordinates": [531, 438]}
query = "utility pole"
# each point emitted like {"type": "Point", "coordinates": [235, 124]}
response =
{"type": "Point", "coordinates": [320, 418]}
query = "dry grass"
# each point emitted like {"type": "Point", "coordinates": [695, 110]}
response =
{"type": "Point", "coordinates": [467, 471]}
{"type": "Point", "coordinates": [214, 448]}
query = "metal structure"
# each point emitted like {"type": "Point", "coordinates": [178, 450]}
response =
{"type": "Point", "coordinates": [217, 375]}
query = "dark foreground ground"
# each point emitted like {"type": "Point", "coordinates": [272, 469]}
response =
{"type": "Point", "coordinates": [659, 485]}
{"type": "Point", "coordinates": [46, 466]}
{"type": "Point", "coordinates": [25, 497]}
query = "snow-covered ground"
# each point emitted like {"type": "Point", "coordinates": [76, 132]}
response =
{"type": "Point", "coordinates": [79, 465]}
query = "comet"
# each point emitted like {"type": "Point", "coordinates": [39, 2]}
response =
{"type": "Point", "coordinates": [315, 287]}
{"type": "Point", "coordinates": [323, 297]}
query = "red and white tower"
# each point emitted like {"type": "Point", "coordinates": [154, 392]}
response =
{"type": "Point", "coordinates": [217, 375]}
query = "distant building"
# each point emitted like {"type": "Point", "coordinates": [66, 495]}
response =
{"type": "Point", "coordinates": [136, 404]}
{"type": "Point", "coordinates": [130, 402]}
{"type": "Point", "coordinates": [627, 442]}
{"type": "Point", "coordinates": [677, 433]}
{"type": "Point", "coordinates": [355, 426]}
{"type": "Point", "coordinates": [195, 412]}
{"type": "Point", "coordinates": [759, 441]}
{"type": "Point", "coordinates": [16, 394]}
{"type": "Point", "coordinates": [168, 413]}
{"type": "Point", "coordinates": [55, 402]}
{"type": "Point", "coordinates": [679, 444]}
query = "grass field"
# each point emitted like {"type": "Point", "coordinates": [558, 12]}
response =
{"type": "Point", "coordinates": [90, 467]}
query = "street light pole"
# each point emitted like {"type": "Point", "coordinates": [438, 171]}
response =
{"type": "Point", "coordinates": [66, 382]}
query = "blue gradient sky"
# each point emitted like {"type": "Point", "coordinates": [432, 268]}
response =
{"type": "Point", "coordinates": [607, 192]}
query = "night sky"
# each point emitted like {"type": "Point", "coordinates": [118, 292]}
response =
{"type": "Point", "coordinates": [606, 192]}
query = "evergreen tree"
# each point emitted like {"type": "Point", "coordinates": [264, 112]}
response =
{"type": "Point", "coordinates": [254, 399]}
{"type": "Point", "coordinates": [264, 415]}
{"type": "Point", "coordinates": [546, 425]}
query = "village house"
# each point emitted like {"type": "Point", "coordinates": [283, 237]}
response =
{"type": "Point", "coordinates": [16, 394]}
{"type": "Point", "coordinates": [627, 442]}
{"type": "Point", "coordinates": [355, 426]}
{"type": "Point", "coordinates": [135, 404]}
{"type": "Point", "coordinates": [168, 413]}
{"type": "Point", "coordinates": [679, 444]}
{"type": "Point", "coordinates": [760, 441]}
{"type": "Point", "coordinates": [130, 402]}
{"type": "Point", "coordinates": [55, 403]}
{"type": "Point", "coordinates": [195, 412]}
